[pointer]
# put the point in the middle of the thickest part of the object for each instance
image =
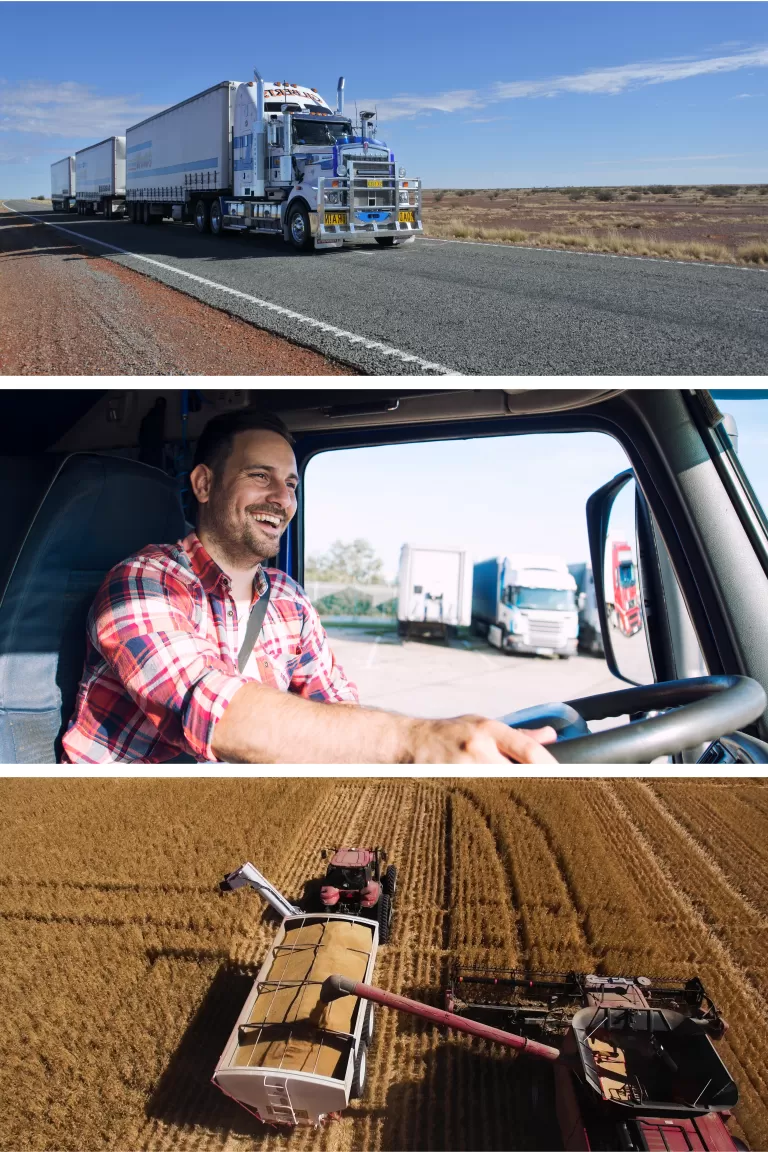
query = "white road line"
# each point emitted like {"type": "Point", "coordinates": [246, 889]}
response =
{"type": "Point", "coordinates": [309, 321]}
{"type": "Point", "coordinates": [605, 255]}
{"type": "Point", "coordinates": [372, 654]}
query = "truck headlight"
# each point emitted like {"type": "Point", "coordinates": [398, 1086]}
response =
{"type": "Point", "coordinates": [332, 197]}
{"type": "Point", "coordinates": [403, 196]}
{"type": "Point", "coordinates": [401, 172]}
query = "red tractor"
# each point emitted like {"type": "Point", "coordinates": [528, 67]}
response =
{"type": "Point", "coordinates": [357, 884]}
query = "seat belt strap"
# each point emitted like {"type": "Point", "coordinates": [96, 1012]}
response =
{"type": "Point", "coordinates": [255, 621]}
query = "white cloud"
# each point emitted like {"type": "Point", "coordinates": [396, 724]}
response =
{"type": "Point", "coordinates": [68, 109]}
{"type": "Point", "coordinates": [594, 82]}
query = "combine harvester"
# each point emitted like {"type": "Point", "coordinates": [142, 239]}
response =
{"type": "Point", "coordinates": [292, 1059]}
{"type": "Point", "coordinates": [633, 1059]}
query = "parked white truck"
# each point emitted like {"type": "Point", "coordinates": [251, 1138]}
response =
{"type": "Point", "coordinates": [434, 591]}
{"type": "Point", "coordinates": [267, 157]}
{"type": "Point", "coordinates": [526, 603]}
{"type": "Point", "coordinates": [100, 176]}
{"type": "Point", "coordinates": [63, 185]}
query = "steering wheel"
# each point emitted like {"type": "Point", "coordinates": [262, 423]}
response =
{"type": "Point", "coordinates": [695, 711]}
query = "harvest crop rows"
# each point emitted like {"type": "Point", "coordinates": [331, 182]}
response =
{"type": "Point", "coordinates": [123, 970]}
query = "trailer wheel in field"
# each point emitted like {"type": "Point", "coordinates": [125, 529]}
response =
{"type": "Point", "coordinates": [368, 1026]}
{"type": "Point", "coordinates": [202, 217]}
{"type": "Point", "coordinates": [386, 241]}
{"type": "Point", "coordinates": [389, 883]}
{"type": "Point", "coordinates": [216, 218]}
{"type": "Point", "coordinates": [298, 228]}
{"type": "Point", "coordinates": [384, 915]}
{"type": "Point", "coordinates": [361, 1069]}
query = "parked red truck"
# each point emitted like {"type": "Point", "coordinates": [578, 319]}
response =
{"type": "Point", "coordinates": [626, 614]}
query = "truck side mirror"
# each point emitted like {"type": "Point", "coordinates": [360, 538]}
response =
{"type": "Point", "coordinates": [611, 524]}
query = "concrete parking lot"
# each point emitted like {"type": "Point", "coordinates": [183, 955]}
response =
{"type": "Point", "coordinates": [434, 678]}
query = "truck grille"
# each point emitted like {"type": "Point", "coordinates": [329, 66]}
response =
{"type": "Point", "coordinates": [546, 634]}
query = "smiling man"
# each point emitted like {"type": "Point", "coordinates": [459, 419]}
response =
{"type": "Point", "coordinates": [197, 652]}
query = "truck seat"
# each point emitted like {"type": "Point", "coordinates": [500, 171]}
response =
{"type": "Point", "coordinates": [67, 521]}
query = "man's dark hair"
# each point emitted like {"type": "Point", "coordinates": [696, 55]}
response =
{"type": "Point", "coordinates": [215, 443]}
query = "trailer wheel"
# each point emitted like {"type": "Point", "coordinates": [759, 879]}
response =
{"type": "Point", "coordinates": [384, 916]}
{"type": "Point", "coordinates": [368, 1026]}
{"type": "Point", "coordinates": [298, 228]}
{"type": "Point", "coordinates": [386, 241]}
{"type": "Point", "coordinates": [390, 881]}
{"type": "Point", "coordinates": [216, 218]}
{"type": "Point", "coordinates": [202, 217]}
{"type": "Point", "coordinates": [361, 1068]}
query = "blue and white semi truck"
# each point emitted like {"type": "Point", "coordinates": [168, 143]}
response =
{"type": "Point", "coordinates": [271, 158]}
{"type": "Point", "coordinates": [526, 603]}
{"type": "Point", "coordinates": [100, 176]}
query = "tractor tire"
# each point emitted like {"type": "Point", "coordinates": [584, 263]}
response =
{"type": "Point", "coordinates": [384, 917]}
{"type": "Point", "coordinates": [389, 883]}
{"type": "Point", "coordinates": [361, 1069]}
{"type": "Point", "coordinates": [368, 1027]}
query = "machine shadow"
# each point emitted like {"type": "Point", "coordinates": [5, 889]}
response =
{"type": "Point", "coordinates": [184, 1095]}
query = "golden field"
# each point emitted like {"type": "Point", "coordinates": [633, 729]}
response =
{"type": "Point", "coordinates": [124, 970]}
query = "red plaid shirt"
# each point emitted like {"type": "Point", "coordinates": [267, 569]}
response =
{"type": "Point", "coordinates": [161, 657]}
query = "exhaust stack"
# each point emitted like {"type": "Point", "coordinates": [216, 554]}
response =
{"type": "Point", "coordinates": [340, 95]}
{"type": "Point", "coordinates": [260, 151]}
{"type": "Point", "coordinates": [335, 987]}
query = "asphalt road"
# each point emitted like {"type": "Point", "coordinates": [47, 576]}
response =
{"type": "Point", "coordinates": [432, 306]}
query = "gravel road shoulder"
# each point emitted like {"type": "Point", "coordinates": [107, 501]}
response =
{"type": "Point", "coordinates": [65, 311]}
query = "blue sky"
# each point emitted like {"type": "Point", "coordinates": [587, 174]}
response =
{"type": "Point", "coordinates": [469, 94]}
{"type": "Point", "coordinates": [490, 496]}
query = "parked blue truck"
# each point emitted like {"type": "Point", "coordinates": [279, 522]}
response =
{"type": "Point", "coordinates": [526, 603]}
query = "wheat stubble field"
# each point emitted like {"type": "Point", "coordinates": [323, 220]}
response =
{"type": "Point", "coordinates": [123, 969]}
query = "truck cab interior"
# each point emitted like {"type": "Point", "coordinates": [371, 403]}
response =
{"type": "Point", "coordinates": [93, 475]}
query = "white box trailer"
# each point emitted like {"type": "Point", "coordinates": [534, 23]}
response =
{"type": "Point", "coordinates": [100, 175]}
{"type": "Point", "coordinates": [63, 184]}
{"type": "Point", "coordinates": [291, 1059]}
{"type": "Point", "coordinates": [270, 157]}
{"type": "Point", "coordinates": [183, 150]}
{"type": "Point", "coordinates": [434, 591]}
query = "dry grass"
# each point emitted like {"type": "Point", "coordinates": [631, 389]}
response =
{"type": "Point", "coordinates": [724, 226]}
{"type": "Point", "coordinates": [613, 242]}
{"type": "Point", "coordinates": [123, 971]}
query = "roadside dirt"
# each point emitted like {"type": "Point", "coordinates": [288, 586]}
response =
{"type": "Point", "coordinates": [65, 312]}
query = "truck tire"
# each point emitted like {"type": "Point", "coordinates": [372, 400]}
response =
{"type": "Point", "coordinates": [359, 1075]}
{"type": "Point", "coordinates": [389, 883]}
{"type": "Point", "coordinates": [202, 217]}
{"type": "Point", "coordinates": [298, 228]}
{"type": "Point", "coordinates": [216, 218]}
{"type": "Point", "coordinates": [384, 917]}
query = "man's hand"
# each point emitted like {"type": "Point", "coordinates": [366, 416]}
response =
{"type": "Point", "coordinates": [476, 740]}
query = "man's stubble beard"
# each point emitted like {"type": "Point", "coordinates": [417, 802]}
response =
{"type": "Point", "coordinates": [237, 542]}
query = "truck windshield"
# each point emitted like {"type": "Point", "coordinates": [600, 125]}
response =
{"type": "Point", "coordinates": [626, 574]}
{"type": "Point", "coordinates": [320, 132]}
{"type": "Point", "coordinates": [549, 599]}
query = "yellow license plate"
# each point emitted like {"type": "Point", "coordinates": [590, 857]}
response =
{"type": "Point", "coordinates": [336, 218]}
{"type": "Point", "coordinates": [406, 217]}
{"type": "Point", "coordinates": [375, 183]}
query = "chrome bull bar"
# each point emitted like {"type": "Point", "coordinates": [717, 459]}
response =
{"type": "Point", "coordinates": [367, 205]}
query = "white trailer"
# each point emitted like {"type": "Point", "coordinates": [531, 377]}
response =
{"type": "Point", "coordinates": [291, 1059]}
{"type": "Point", "coordinates": [100, 175]}
{"type": "Point", "coordinates": [434, 591]}
{"type": "Point", "coordinates": [270, 157]}
{"type": "Point", "coordinates": [63, 184]}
